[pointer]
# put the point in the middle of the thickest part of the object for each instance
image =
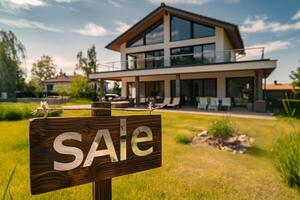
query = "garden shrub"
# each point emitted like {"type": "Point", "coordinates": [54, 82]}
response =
{"type": "Point", "coordinates": [183, 139]}
{"type": "Point", "coordinates": [221, 128]}
{"type": "Point", "coordinates": [12, 112]}
{"type": "Point", "coordinates": [287, 159]}
{"type": "Point", "coordinates": [12, 115]}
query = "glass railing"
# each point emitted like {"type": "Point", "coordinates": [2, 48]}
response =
{"type": "Point", "coordinates": [205, 58]}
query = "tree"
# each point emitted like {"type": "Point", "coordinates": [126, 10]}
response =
{"type": "Point", "coordinates": [87, 65]}
{"type": "Point", "coordinates": [43, 69]}
{"type": "Point", "coordinates": [295, 76]}
{"type": "Point", "coordinates": [12, 53]}
{"type": "Point", "coordinates": [80, 87]}
{"type": "Point", "coordinates": [116, 88]}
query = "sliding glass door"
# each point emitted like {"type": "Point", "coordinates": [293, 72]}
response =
{"type": "Point", "coordinates": [192, 90]}
{"type": "Point", "coordinates": [240, 90]}
{"type": "Point", "coordinates": [149, 91]}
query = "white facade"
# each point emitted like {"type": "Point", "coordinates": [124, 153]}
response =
{"type": "Point", "coordinates": [220, 70]}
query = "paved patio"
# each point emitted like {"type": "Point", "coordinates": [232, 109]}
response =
{"type": "Point", "coordinates": [234, 112]}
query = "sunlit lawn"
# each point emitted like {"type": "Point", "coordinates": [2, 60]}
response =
{"type": "Point", "coordinates": [188, 172]}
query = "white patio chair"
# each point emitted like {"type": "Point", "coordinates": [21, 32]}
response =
{"type": "Point", "coordinates": [175, 103]}
{"type": "Point", "coordinates": [203, 103]}
{"type": "Point", "coordinates": [214, 104]}
{"type": "Point", "coordinates": [226, 102]}
{"type": "Point", "coordinates": [167, 100]}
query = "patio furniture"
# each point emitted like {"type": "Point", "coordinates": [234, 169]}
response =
{"type": "Point", "coordinates": [203, 103]}
{"type": "Point", "coordinates": [175, 103]}
{"type": "Point", "coordinates": [167, 100]}
{"type": "Point", "coordinates": [214, 104]}
{"type": "Point", "coordinates": [226, 102]}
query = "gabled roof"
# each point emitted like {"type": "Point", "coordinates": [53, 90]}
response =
{"type": "Point", "coordinates": [60, 79]}
{"type": "Point", "coordinates": [232, 30]}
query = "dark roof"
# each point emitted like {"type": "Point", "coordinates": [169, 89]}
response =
{"type": "Point", "coordinates": [232, 30]}
{"type": "Point", "coordinates": [60, 79]}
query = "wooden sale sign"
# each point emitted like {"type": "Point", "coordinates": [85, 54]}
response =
{"type": "Point", "coordinates": [65, 152]}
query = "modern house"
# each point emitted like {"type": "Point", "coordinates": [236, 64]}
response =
{"type": "Point", "coordinates": [176, 53]}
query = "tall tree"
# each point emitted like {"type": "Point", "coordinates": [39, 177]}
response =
{"type": "Point", "coordinates": [295, 76]}
{"type": "Point", "coordinates": [43, 69]}
{"type": "Point", "coordinates": [87, 64]}
{"type": "Point", "coordinates": [12, 53]}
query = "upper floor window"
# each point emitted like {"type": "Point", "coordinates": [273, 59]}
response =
{"type": "Point", "coordinates": [153, 35]}
{"type": "Point", "coordinates": [145, 60]}
{"type": "Point", "coordinates": [182, 29]}
{"type": "Point", "coordinates": [200, 54]}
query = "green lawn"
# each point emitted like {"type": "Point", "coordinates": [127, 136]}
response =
{"type": "Point", "coordinates": [187, 173]}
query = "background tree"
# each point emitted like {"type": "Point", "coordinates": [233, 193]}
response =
{"type": "Point", "coordinates": [87, 64]}
{"type": "Point", "coordinates": [12, 53]}
{"type": "Point", "coordinates": [43, 69]}
{"type": "Point", "coordinates": [116, 88]}
{"type": "Point", "coordinates": [295, 76]}
{"type": "Point", "coordinates": [80, 87]}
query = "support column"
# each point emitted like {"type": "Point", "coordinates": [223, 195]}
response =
{"type": "Point", "coordinates": [137, 91]}
{"type": "Point", "coordinates": [102, 90]}
{"type": "Point", "coordinates": [259, 89]}
{"type": "Point", "coordinates": [177, 85]}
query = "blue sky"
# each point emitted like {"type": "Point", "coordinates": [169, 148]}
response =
{"type": "Point", "coordinates": [60, 28]}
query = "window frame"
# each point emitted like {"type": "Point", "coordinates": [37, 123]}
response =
{"type": "Point", "coordinates": [145, 52]}
{"type": "Point", "coordinates": [191, 29]}
{"type": "Point", "coordinates": [144, 33]}
{"type": "Point", "coordinates": [193, 52]}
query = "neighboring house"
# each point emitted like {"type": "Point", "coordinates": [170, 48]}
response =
{"type": "Point", "coordinates": [281, 91]}
{"type": "Point", "coordinates": [61, 81]}
{"type": "Point", "coordinates": [172, 52]}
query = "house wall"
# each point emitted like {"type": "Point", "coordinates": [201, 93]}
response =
{"type": "Point", "coordinates": [220, 39]}
{"type": "Point", "coordinates": [221, 80]}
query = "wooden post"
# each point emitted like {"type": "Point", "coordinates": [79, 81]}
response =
{"type": "Point", "coordinates": [102, 188]}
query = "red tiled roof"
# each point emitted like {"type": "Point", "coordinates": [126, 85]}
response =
{"type": "Point", "coordinates": [280, 86]}
{"type": "Point", "coordinates": [60, 79]}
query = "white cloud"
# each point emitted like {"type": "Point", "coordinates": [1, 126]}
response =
{"type": "Point", "coordinates": [121, 27]}
{"type": "Point", "coordinates": [92, 29]}
{"type": "Point", "coordinates": [199, 2]}
{"type": "Point", "coordinates": [260, 24]}
{"type": "Point", "coordinates": [23, 23]}
{"type": "Point", "coordinates": [27, 4]}
{"type": "Point", "coordinates": [255, 51]}
{"type": "Point", "coordinates": [296, 16]}
{"type": "Point", "coordinates": [20, 4]}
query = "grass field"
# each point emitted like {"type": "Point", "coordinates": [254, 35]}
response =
{"type": "Point", "coordinates": [188, 172]}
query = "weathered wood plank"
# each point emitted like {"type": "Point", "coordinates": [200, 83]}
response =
{"type": "Point", "coordinates": [42, 154]}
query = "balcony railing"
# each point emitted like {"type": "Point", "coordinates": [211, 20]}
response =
{"type": "Point", "coordinates": [180, 60]}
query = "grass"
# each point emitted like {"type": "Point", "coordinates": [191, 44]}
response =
{"type": "Point", "coordinates": [187, 173]}
{"type": "Point", "coordinates": [287, 160]}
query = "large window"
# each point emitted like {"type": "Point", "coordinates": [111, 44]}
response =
{"type": "Point", "coordinates": [192, 90]}
{"type": "Point", "coordinates": [200, 54]}
{"type": "Point", "coordinates": [149, 91]}
{"type": "Point", "coordinates": [154, 59]}
{"type": "Point", "coordinates": [182, 29]}
{"type": "Point", "coordinates": [154, 35]}
{"type": "Point", "coordinates": [145, 60]}
{"type": "Point", "coordinates": [240, 89]}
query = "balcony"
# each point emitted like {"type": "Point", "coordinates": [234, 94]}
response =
{"type": "Point", "coordinates": [182, 60]}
